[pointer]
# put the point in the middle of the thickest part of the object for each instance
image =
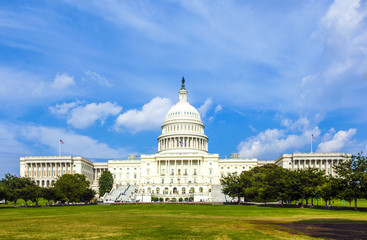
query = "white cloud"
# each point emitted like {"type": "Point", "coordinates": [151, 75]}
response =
{"type": "Point", "coordinates": [343, 15]}
{"type": "Point", "coordinates": [271, 143]}
{"type": "Point", "coordinates": [218, 108]}
{"type": "Point", "coordinates": [338, 142]}
{"type": "Point", "coordinates": [64, 108]}
{"type": "Point", "coordinates": [75, 144]}
{"type": "Point", "coordinates": [150, 117]}
{"type": "Point", "coordinates": [203, 109]}
{"type": "Point", "coordinates": [83, 116]}
{"type": "Point", "coordinates": [97, 78]}
{"type": "Point", "coordinates": [63, 81]}
{"type": "Point", "coordinates": [28, 140]}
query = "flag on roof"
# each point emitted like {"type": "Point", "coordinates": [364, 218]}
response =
{"type": "Point", "coordinates": [61, 141]}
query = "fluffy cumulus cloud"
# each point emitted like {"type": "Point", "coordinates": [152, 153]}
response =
{"type": "Point", "coordinates": [271, 143]}
{"type": "Point", "coordinates": [150, 117]}
{"type": "Point", "coordinates": [295, 136]}
{"type": "Point", "coordinates": [63, 81]}
{"type": "Point", "coordinates": [83, 116]}
{"type": "Point", "coordinates": [338, 141]}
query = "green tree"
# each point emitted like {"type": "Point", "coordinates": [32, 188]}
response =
{"type": "Point", "coordinates": [105, 182]}
{"type": "Point", "coordinates": [12, 186]}
{"type": "Point", "coordinates": [328, 190]}
{"type": "Point", "coordinates": [2, 191]}
{"type": "Point", "coordinates": [250, 191]}
{"type": "Point", "coordinates": [37, 194]}
{"type": "Point", "coordinates": [28, 189]}
{"type": "Point", "coordinates": [352, 175]}
{"type": "Point", "coordinates": [50, 193]}
{"type": "Point", "coordinates": [306, 182]}
{"type": "Point", "coordinates": [232, 186]}
{"type": "Point", "coordinates": [270, 182]}
{"type": "Point", "coordinates": [72, 187]}
{"type": "Point", "coordinates": [88, 195]}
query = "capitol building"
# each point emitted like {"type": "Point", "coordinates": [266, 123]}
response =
{"type": "Point", "coordinates": [181, 168]}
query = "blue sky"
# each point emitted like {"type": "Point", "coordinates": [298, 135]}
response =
{"type": "Point", "coordinates": [100, 75]}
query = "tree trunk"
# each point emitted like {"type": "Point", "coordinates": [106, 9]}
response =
{"type": "Point", "coordinates": [306, 201]}
{"type": "Point", "coordinates": [303, 197]}
{"type": "Point", "coordinates": [355, 204]}
{"type": "Point", "coordinates": [312, 201]}
{"type": "Point", "coordinates": [239, 200]}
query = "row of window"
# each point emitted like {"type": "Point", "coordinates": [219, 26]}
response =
{"type": "Point", "coordinates": [243, 167]}
{"type": "Point", "coordinates": [126, 168]}
{"type": "Point", "coordinates": [190, 128]}
{"type": "Point", "coordinates": [174, 190]}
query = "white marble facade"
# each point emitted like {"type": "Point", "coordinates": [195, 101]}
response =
{"type": "Point", "coordinates": [182, 167]}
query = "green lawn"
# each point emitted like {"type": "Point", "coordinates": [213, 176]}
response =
{"type": "Point", "coordinates": [162, 221]}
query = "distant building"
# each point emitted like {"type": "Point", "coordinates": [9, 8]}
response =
{"type": "Point", "coordinates": [182, 167]}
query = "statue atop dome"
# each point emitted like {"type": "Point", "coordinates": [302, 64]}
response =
{"type": "Point", "coordinates": [183, 84]}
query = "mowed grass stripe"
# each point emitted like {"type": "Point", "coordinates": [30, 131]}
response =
{"type": "Point", "coordinates": [161, 221]}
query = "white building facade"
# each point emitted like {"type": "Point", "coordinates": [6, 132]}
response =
{"type": "Point", "coordinates": [182, 167]}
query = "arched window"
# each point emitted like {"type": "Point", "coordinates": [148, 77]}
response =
{"type": "Point", "coordinates": [157, 190]}
{"type": "Point", "coordinates": [175, 190]}
{"type": "Point", "coordinates": [165, 191]}
{"type": "Point", "coordinates": [183, 191]}
{"type": "Point", "coordinates": [149, 190]}
{"type": "Point", "coordinates": [192, 190]}
{"type": "Point", "coordinates": [200, 189]}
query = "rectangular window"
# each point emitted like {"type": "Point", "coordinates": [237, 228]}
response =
{"type": "Point", "coordinates": [173, 172]}
{"type": "Point", "coordinates": [171, 180]}
{"type": "Point", "coordinates": [185, 163]}
{"type": "Point", "coordinates": [210, 171]}
{"type": "Point", "coordinates": [162, 180]}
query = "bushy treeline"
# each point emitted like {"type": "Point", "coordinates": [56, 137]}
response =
{"type": "Point", "coordinates": [273, 183]}
{"type": "Point", "coordinates": [68, 188]}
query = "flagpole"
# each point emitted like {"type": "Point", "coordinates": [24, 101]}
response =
{"type": "Point", "coordinates": [59, 148]}
{"type": "Point", "coordinates": [311, 143]}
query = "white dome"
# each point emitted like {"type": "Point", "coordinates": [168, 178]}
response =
{"type": "Point", "coordinates": [183, 129]}
{"type": "Point", "coordinates": [183, 110]}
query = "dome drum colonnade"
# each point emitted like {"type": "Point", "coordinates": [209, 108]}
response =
{"type": "Point", "coordinates": [183, 128]}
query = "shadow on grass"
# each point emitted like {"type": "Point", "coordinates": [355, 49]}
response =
{"type": "Point", "coordinates": [326, 228]}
